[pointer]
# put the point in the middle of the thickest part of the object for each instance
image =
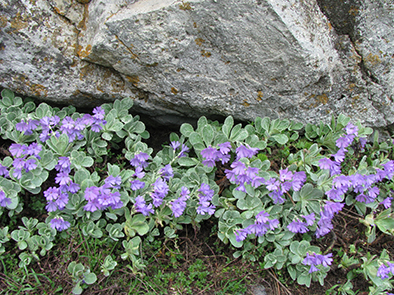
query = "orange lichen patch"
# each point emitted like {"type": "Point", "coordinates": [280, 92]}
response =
{"type": "Point", "coordinates": [323, 98]}
{"type": "Point", "coordinates": [83, 1]}
{"type": "Point", "coordinates": [245, 103]}
{"type": "Point", "coordinates": [199, 41]}
{"type": "Point", "coordinates": [259, 95]}
{"type": "Point", "coordinates": [329, 26]}
{"type": "Point", "coordinates": [57, 10]}
{"type": "Point", "coordinates": [86, 70]}
{"type": "Point", "coordinates": [353, 11]}
{"type": "Point", "coordinates": [195, 25]}
{"type": "Point", "coordinates": [155, 64]}
{"type": "Point", "coordinates": [3, 21]}
{"type": "Point", "coordinates": [351, 86]}
{"type": "Point", "coordinates": [2, 47]}
{"type": "Point", "coordinates": [39, 90]}
{"type": "Point", "coordinates": [84, 52]}
{"type": "Point", "coordinates": [99, 89]}
{"type": "Point", "coordinates": [174, 90]}
{"type": "Point", "coordinates": [133, 80]}
{"type": "Point", "coordinates": [372, 59]}
{"type": "Point", "coordinates": [205, 53]}
{"type": "Point", "coordinates": [178, 70]}
{"type": "Point", "coordinates": [185, 6]}
{"type": "Point", "coordinates": [19, 22]}
{"type": "Point", "coordinates": [85, 17]}
{"type": "Point", "coordinates": [356, 97]}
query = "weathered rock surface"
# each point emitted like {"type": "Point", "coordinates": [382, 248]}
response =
{"type": "Point", "coordinates": [244, 58]}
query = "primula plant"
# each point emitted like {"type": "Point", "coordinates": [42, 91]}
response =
{"type": "Point", "coordinates": [270, 214]}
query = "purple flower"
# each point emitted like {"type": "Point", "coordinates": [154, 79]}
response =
{"type": "Point", "coordinates": [204, 200]}
{"type": "Point", "coordinates": [4, 171]}
{"type": "Point", "coordinates": [17, 173]}
{"type": "Point", "coordinates": [167, 172]}
{"type": "Point", "coordinates": [272, 184]}
{"type": "Point", "coordinates": [224, 148]}
{"type": "Point", "coordinates": [113, 182]}
{"type": "Point", "coordinates": [73, 187]}
{"type": "Point", "coordinates": [141, 207]}
{"type": "Point", "coordinates": [34, 149]}
{"type": "Point", "coordinates": [19, 163]}
{"type": "Point", "coordinates": [332, 207]}
{"type": "Point", "coordinates": [140, 159]}
{"type": "Point", "coordinates": [339, 156]}
{"type": "Point", "coordinates": [246, 152]}
{"type": "Point", "coordinates": [93, 205]}
{"type": "Point", "coordinates": [351, 129]}
{"type": "Point", "coordinates": [4, 201]}
{"type": "Point", "coordinates": [59, 224]}
{"type": "Point", "coordinates": [99, 113]}
{"type": "Point", "coordinates": [91, 193]}
{"type": "Point", "coordinates": [317, 259]}
{"type": "Point", "coordinates": [178, 206]}
{"type": "Point", "coordinates": [17, 150]}
{"type": "Point", "coordinates": [63, 164]}
{"type": "Point", "coordinates": [383, 271]}
{"type": "Point", "coordinates": [175, 145]}
{"type": "Point", "coordinates": [297, 227]}
{"type": "Point", "coordinates": [241, 234]}
{"type": "Point", "coordinates": [344, 141]}
{"type": "Point", "coordinates": [63, 178]}
{"type": "Point", "coordinates": [310, 219]}
{"type": "Point", "coordinates": [285, 174]}
{"type": "Point", "coordinates": [136, 184]}
{"type": "Point", "coordinates": [139, 173]}
{"type": "Point", "coordinates": [262, 217]}
{"type": "Point", "coordinates": [387, 202]}
{"type": "Point", "coordinates": [51, 194]}
{"type": "Point", "coordinates": [325, 163]}
{"type": "Point", "coordinates": [30, 164]}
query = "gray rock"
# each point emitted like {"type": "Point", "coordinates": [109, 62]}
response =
{"type": "Point", "coordinates": [178, 60]}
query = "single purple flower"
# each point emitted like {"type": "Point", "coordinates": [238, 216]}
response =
{"type": "Point", "coordinates": [297, 227]}
{"type": "Point", "coordinates": [246, 152]}
{"type": "Point", "coordinates": [4, 201]}
{"type": "Point", "coordinates": [59, 224]}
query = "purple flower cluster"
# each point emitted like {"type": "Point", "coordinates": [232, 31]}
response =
{"type": "Point", "coordinates": [324, 225]}
{"type": "Point", "coordinates": [57, 197]}
{"type": "Point", "coordinates": [261, 225]}
{"type": "Point", "coordinates": [100, 198]}
{"type": "Point", "coordinates": [160, 190]}
{"type": "Point", "coordinates": [182, 149]}
{"type": "Point", "coordinates": [137, 184]}
{"type": "Point", "coordinates": [140, 206]}
{"type": "Point", "coordinates": [317, 259]}
{"type": "Point", "coordinates": [4, 201]}
{"type": "Point", "coordinates": [22, 160]}
{"type": "Point", "coordinates": [178, 206]}
{"type": "Point", "coordinates": [241, 175]}
{"type": "Point", "coordinates": [73, 128]}
{"type": "Point", "coordinates": [4, 171]}
{"type": "Point", "coordinates": [140, 160]}
{"type": "Point", "coordinates": [362, 185]}
{"type": "Point", "coordinates": [205, 197]}
{"type": "Point", "coordinates": [287, 180]}
{"type": "Point", "coordinates": [211, 154]}
{"type": "Point", "coordinates": [59, 223]}
{"type": "Point", "coordinates": [297, 226]}
{"type": "Point", "coordinates": [384, 271]}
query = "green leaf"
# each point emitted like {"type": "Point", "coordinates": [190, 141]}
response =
{"type": "Point", "coordinates": [240, 136]}
{"type": "Point", "coordinates": [228, 124]}
{"type": "Point", "coordinates": [207, 134]}
{"type": "Point", "coordinates": [280, 138]}
{"type": "Point", "coordinates": [90, 278]}
{"type": "Point", "coordinates": [186, 129]}
{"type": "Point", "coordinates": [188, 162]}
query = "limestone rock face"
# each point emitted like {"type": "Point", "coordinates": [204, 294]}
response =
{"type": "Point", "coordinates": [301, 60]}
